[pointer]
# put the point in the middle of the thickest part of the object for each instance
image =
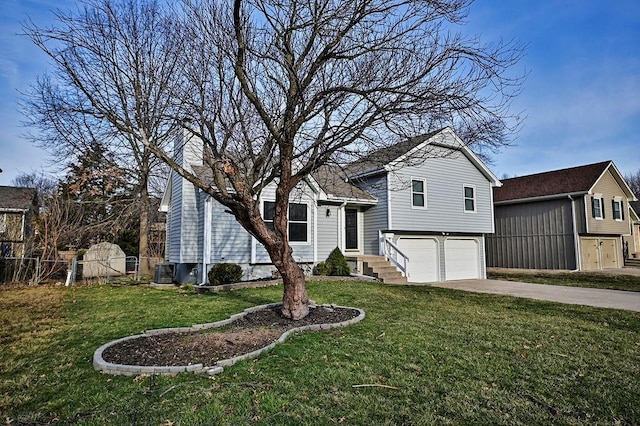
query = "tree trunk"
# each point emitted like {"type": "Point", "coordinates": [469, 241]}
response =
{"type": "Point", "coordinates": [143, 245]}
{"type": "Point", "coordinates": [294, 299]}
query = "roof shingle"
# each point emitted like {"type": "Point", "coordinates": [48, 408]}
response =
{"type": "Point", "coordinates": [13, 197]}
{"type": "Point", "coordinates": [556, 182]}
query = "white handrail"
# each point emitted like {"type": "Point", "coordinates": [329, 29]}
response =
{"type": "Point", "coordinates": [391, 252]}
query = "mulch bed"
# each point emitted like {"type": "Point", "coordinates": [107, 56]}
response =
{"type": "Point", "coordinates": [249, 333]}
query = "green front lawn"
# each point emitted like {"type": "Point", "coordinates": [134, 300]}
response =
{"type": "Point", "coordinates": [572, 279]}
{"type": "Point", "coordinates": [429, 356]}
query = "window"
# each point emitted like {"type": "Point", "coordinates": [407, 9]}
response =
{"type": "Point", "coordinates": [268, 213]}
{"type": "Point", "coordinates": [596, 207]}
{"type": "Point", "coordinates": [616, 207]}
{"type": "Point", "coordinates": [418, 193]}
{"type": "Point", "coordinates": [298, 230]}
{"type": "Point", "coordinates": [3, 223]}
{"type": "Point", "coordinates": [469, 198]}
{"type": "Point", "coordinates": [297, 222]}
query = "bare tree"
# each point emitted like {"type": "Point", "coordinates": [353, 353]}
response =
{"type": "Point", "coordinates": [43, 184]}
{"type": "Point", "coordinates": [277, 89]}
{"type": "Point", "coordinates": [633, 180]}
{"type": "Point", "coordinates": [115, 62]}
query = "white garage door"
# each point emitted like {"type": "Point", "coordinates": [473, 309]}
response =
{"type": "Point", "coordinates": [461, 259]}
{"type": "Point", "coordinates": [423, 259]}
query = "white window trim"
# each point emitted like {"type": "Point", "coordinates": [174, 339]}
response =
{"type": "Point", "coordinates": [424, 193]}
{"type": "Point", "coordinates": [613, 215]}
{"type": "Point", "coordinates": [292, 243]}
{"type": "Point", "coordinates": [464, 199]}
{"type": "Point", "coordinates": [600, 199]}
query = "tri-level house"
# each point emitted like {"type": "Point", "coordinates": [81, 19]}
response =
{"type": "Point", "coordinates": [418, 212]}
{"type": "Point", "coordinates": [574, 219]}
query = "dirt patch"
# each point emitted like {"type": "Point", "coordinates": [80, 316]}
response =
{"type": "Point", "coordinates": [249, 333]}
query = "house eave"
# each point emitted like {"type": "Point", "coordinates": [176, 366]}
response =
{"type": "Point", "coordinates": [541, 198]}
{"type": "Point", "coordinates": [347, 200]}
{"type": "Point", "coordinates": [619, 179]}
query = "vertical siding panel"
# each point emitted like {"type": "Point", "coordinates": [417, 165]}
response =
{"type": "Point", "coordinates": [533, 236]}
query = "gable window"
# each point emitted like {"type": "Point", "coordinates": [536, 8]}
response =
{"type": "Point", "coordinates": [418, 193]}
{"type": "Point", "coordinates": [616, 207]}
{"type": "Point", "coordinates": [298, 220]}
{"type": "Point", "coordinates": [469, 199]}
{"type": "Point", "coordinates": [597, 207]}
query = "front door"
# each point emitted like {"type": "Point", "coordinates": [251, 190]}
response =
{"type": "Point", "coordinates": [351, 229]}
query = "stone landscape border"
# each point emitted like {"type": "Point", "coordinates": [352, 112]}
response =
{"type": "Point", "coordinates": [131, 370]}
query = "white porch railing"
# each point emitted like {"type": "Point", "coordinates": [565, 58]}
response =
{"type": "Point", "coordinates": [392, 253]}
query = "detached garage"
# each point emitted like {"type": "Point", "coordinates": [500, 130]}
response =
{"type": "Point", "coordinates": [440, 258]}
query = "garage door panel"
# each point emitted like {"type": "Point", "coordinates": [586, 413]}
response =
{"type": "Point", "coordinates": [423, 259]}
{"type": "Point", "coordinates": [462, 259]}
{"type": "Point", "coordinates": [609, 250]}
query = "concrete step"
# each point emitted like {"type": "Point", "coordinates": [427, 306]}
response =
{"type": "Point", "coordinates": [632, 262]}
{"type": "Point", "coordinates": [379, 267]}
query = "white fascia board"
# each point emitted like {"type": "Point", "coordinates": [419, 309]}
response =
{"type": "Point", "coordinates": [165, 201]}
{"type": "Point", "coordinates": [352, 200]}
{"type": "Point", "coordinates": [495, 182]}
{"type": "Point", "coordinates": [619, 178]}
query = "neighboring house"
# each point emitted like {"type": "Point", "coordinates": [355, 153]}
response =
{"type": "Point", "coordinates": [633, 241]}
{"type": "Point", "coordinates": [426, 204]}
{"type": "Point", "coordinates": [572, 219]}
{"type": "Point", "coordinates": [18, 206]}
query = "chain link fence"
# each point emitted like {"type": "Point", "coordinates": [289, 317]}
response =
{"type": "Point", "coordinates": [32, 270]}
{"type": "Point", "coordinates": [19, 270]}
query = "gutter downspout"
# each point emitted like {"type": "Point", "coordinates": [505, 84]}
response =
{"type": "Point", "coordinates": [576, 237]}
{"type": "Point", "coordinates": [206, 240]}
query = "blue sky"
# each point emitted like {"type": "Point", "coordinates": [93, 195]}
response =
{"type": "Point", "coordinates": [581, 99]}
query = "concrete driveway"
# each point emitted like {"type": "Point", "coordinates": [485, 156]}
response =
{"type": "Point", "coordinates": [627, 300]}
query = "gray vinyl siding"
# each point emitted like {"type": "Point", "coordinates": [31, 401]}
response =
{"type": "Point", "coordinates": [174, 219]}
{"type": "Point", "coordinates": [376, 218]}
{"type": "Point", "coordinates": [185, 220]}
{"type": "Point", "coordinates": [581, 218]}
{"type": "Point", "coordinates": [230, 242]}
{"type": "Point", "coordinates": [190, 251]}
{"type": "Point", "coordinates": [445, 178]}
{"type": "Point", "coordinates": [533, 236]}
{"type": "Point", "coordinates": [328, 232]}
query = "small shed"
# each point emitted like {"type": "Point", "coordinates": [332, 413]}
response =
{"type": "Point", "coordinates": [104, 260]}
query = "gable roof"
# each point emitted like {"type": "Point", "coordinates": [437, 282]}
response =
{"type": "Point", "coordinates": [556, 183]}
{"type": "Point", "coordinates": [376, 160]}
{"type": "Point", "coordinates": [635, 208]}
{"type": "Point", "coordinates": [416, 150]}
{"type": "Point", "coordinates": [330, 179]}
{"type": "Point", "coordinates": [333, 181]}
{"type": "Point", "coordinates": [16, 198]}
